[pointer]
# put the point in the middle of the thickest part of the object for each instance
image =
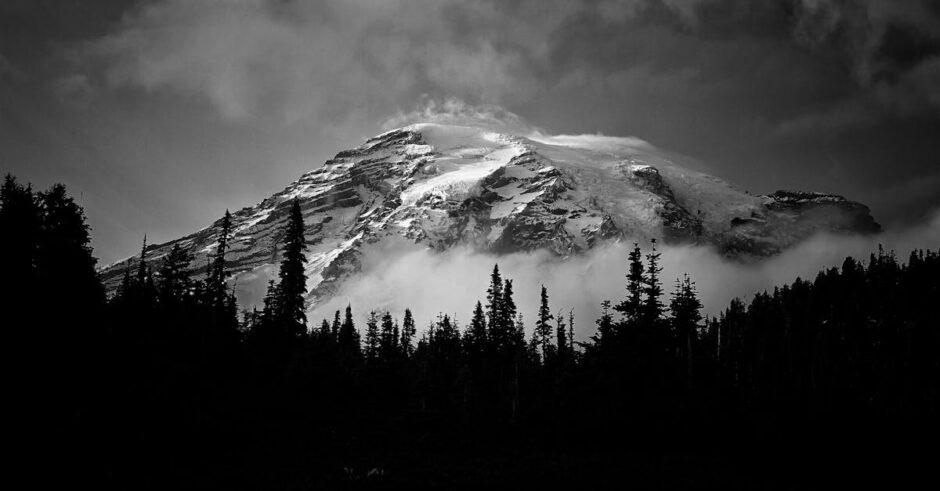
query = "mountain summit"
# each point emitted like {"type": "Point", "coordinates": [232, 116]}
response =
{"type": "Point", "coordinates": [441, 185]}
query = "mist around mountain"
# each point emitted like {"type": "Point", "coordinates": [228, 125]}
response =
{"type": "Point", "coordinates": [458, 189]}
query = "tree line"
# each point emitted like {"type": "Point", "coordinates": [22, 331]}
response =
{"type": "Point", "coordinates": [166, 374]}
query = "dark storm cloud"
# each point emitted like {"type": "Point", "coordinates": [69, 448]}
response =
{"type": "Point", "coordinates": [832, 95]}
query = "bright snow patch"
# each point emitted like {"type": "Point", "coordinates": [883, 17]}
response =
{"type": "Point", "coordinates": [457, 183]}
{"type": "Point", "coordinates": [600, 143]}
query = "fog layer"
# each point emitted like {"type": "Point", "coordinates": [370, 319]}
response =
{"type": "Point", "coordinates": [400, 275]}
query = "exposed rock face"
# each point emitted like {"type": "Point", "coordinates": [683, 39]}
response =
{"type": "Point", "coordinates": [441, 186]}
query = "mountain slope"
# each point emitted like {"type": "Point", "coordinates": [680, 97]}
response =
{"type": "Point", "coordinates": [439, 186]}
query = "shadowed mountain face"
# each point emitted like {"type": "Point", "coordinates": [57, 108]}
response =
{"type": "Point", "coordinates": [439, 186]}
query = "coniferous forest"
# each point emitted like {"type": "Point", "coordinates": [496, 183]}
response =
{"type": "Point", "coordinates": [832, 381]}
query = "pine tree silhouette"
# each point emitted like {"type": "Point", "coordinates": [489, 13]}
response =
{"type": "Point", "coordinates": [632, 305]}
{"type": "Point", "coordinates": [372, 341]}
{"type": "Point", "coordinates": [292, 287]}
{"type": "Point", "coordinates": [494, 307]}
{"type": "Point", "coordinates": [542, 336]}
{"type": "Point", "coordinates": [507, 316]}
{"type": "Point", "coordinates": [407, 334]}
{"type": "Point", "coordinates": [561, 336]}
{"type": "Point", "coordinates": [685, 309]}
{"type": "Point", "coordinates": [652, 308]}
{"type": "Point", "coordinates": [348, 337]}
{"type": "Point", "coordinates": [476, 332]}
{"type": "Point", "coordinates": [215, 280]}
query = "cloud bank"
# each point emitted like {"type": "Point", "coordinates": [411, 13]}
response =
{"type": "Point", "coordinates": [293, 59]}
{"type": "Point", "coordinates": [399, 276]}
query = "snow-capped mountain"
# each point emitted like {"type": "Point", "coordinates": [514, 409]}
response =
{"type": "Point", "coordinates": [440, 186]}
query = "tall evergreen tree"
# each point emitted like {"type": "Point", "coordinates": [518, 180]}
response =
{"type": "Point", "coordinates": [348, 337]}
{"type": "Point", "coordinates": [519, 334]}
{"type": "Point", "coordinates": [685, 309]}
{"type": "Point", "coordinates": [325, 333]}
{"type": "Point", "coordinates": [64, 251]}
{"type": "Point", "coordinates": [561, 336]}
{"type": "Point", "coordinates": [292, 287]}
{"type": "Point", "coordinates": [542, 335]}
{"type": "Point", "coordinates": [408, 333]}
{"type": "Point", "coordinates": [571, 331]}
{"type": "Point", "coordinates": [652, 287]}
{"type": "Point", "coordinates": [631, 306]}
{"type": "Point", "coordinates": [372, 342]}
{"type": "Point", "coordinates": [476, 331]}
{"type": "Point", "coordinates": [605, 326]}
{"type": "Point", "coordinates": [142, 266]}
{"type": "Point", "coordinates": [507, 317]}
{"type": "Point", "coordinates": [216, 275]}
{"type": "Point", "coordinates": [143, 293]}
{"type": "Point", "coordinates": [388, 338]}
{"type": "Point", "coordinates": [334, 328]}
{"type": "Point", "coordinates": [494, 305]}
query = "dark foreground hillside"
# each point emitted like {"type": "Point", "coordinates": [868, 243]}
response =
{"type": "Point", "coordinates": [829, 382]}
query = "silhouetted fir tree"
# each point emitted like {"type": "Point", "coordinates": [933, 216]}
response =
{"type": "Point", "coordinates": [408, 332]}
{"type": "Point", "coordinates": [571, 349]}
{"type": "Point", "coordinates": [144, 295]}
{"type": "Point", "coordinates": [447, 333]}
{"type": "Point", "coordinates": [372, 341]}
{"type": "Point", "coordinates": [476, 333]}
{"type": "Point", "coordinates": [64, 253]}
{"type": "Point", "coordinates": [388, 339]}
{"type": "Point", "coordinates": [494, 306]}
{"type": "Point", "coordinates": [269, 304]}
{"type": "Point", "coordinates": [142, 263]}
{"type": "Point", "coordinates": [632, 304]}
{"type": "Point", "coordinates": [216, 274]}
{"type": "Point", "coordinates": [292, 287]}
{"type": "Point", "coordinates": [348, 337]}
{"type": "Point", "coordinates": [520, 332]}
{"type": "Point", "coordinates": [685, 309]}
{"type": "Point", "coordinates": [334, 328]}
{"type": "Point", "coordinates": [605, 326]}
{"type": "Point", "coordinates": [542, 336]}
{"type": "Point", "coordinates": [507, 318]}
{"type": "Point", "coordinates": [652, 308]}
{"type": "Point", "coordinates": [561, 336]}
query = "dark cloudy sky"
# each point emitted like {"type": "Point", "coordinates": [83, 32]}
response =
{"type": "Point", "coordinates": [160, 114]}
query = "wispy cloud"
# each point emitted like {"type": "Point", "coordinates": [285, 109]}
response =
{"type": "Point", "coordinates": [257, 57]}
{"type": "Point", "coordinates": [398, 275]}
{"type": "Point", "coordinates": [455, 111]}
